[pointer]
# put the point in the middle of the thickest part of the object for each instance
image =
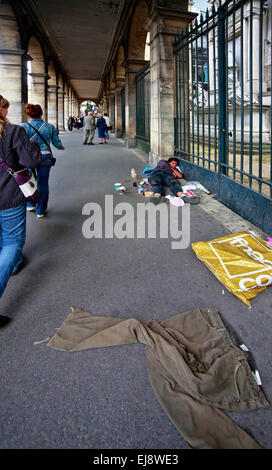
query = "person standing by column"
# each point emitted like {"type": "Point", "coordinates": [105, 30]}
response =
{"type": "Point", "coordinates": [89, 128]}
{"type": "Point", "coordinates": [18, 152]}
{"type": "Point", "coordinates": [44, 133]}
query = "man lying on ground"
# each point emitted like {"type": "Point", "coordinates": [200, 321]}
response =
{"type": "Point", "coordinates": [166, 173]}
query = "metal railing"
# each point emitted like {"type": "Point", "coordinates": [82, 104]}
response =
{"type": "Point", "coordinates": [223, 92]}
{"type": "Point", "coordinates": [143, 108]}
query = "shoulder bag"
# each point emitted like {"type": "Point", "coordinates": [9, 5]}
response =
{"type": "Point", "coordinates": [25, 180]}
{"type": "Point", "coordinates": [46, 160]}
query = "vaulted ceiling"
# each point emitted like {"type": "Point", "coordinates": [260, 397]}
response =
{"type": "Point", "coordinates": [81, 33]}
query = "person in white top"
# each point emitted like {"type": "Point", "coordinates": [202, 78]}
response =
{"type": "Point", "coordinates": [108, 124]}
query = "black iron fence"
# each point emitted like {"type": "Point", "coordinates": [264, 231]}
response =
{"type": "Point", "coordinates": [223, 102]}
{"type": "Point", "coordinates": [143, 108]}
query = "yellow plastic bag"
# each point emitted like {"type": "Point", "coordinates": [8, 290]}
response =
{"type": "Point", "coordinates": [241, 261]}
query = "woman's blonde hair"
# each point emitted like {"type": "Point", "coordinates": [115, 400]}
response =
{"type": "Point", "coordinates": [3, 104]}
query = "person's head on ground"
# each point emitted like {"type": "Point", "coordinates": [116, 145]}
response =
{"type": "Point", "coordinates": [33, 111]}
{"type": "Point", "coordinates": [173, 162]}
{"type": "Point", "coordinates": [4, 105]}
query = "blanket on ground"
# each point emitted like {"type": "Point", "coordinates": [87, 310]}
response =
{"type": "Point", "coordinates": [193, 364]}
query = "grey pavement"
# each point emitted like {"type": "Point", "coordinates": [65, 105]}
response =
{"type": "Point", "coordinates": [102, 398]}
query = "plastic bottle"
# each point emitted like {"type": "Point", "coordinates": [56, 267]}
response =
{"type": "Point", "coordinates": [133, 173]}
{"type": "Point", "coordinates": [198, 185]}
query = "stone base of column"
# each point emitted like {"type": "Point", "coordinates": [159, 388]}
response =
{"type": "Point", "coordinates": [153, 158]}
{"type": "Point", "coordinates": [130, 142]}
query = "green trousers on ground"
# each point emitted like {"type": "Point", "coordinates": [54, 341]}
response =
{"type": "Point", "coordinates": [193, 364]}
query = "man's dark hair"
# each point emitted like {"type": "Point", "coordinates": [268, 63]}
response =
{"type": "Point", "coordinates": [172, 159]}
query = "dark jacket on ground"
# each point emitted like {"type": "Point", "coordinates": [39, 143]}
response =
{"type": "Point", "coordinates": [163, 166]}
{"type": "Point", "coordinates": [18, 152]}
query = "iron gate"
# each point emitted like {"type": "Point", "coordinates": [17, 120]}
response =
{"type": "Point", "coordinates": [143, 108]}
{"type": "Point", "coordinates": [223, 102]}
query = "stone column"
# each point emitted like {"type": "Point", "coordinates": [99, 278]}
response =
{"type": "Point", "coordinates": [70, 111]}
{"type": "Point", "coordinates": [11, 63]}
{"type": "Point", "coordinates": [132, 66]}
{"type": "Point", "coordinates": [74, 105]}
{"type": "Point", "coordinates": [38, 89]}
{"type": "Point", "coordinates": [61, 110]}
{"type": "Point", "coordinates": [53, 104]}
{"type": "Point", "coordinates": [66, 109]}
{"type": "Point", "coordinates": [255, 53]}
{"type": "Point", "coordinates": [119, 84]}
{"type": "Point", "coordinates": [105, 101]}
{"type": "Point", "coordinates": [164, 24]}
{"type": "Point", "coordinates": [112, 109]}
{"type": "Point", "coordinates": [11, 82]}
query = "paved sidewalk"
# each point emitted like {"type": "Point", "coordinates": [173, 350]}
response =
{"type": "Point", "coordinates": [102, 399]}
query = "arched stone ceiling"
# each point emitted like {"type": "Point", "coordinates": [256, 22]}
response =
{"type": "Point", "coordinates": [81, 34]}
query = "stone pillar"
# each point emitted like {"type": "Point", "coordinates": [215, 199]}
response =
{"type": "Point", "coordinates": [61, 110]}
{"type": "Point", "coordinates": [37, 93]}
{"type": "Point", "coordinates": [11, 82]}
{"type": "Point", "coordinates": [66, 109]}
{"type": "Point", "coordinates": [74, 105]}
{"type": "Point", "coordinates": [105, 101]}
{"type": "Point", "coordinates": [70, 111]}
{"type": "Point", "coordinates": [164, 24]}
{"type": "Point", "coordinates": [53, 104]}
{"type": "Point", "coordinates": [255, 53]}
{"type": "Point", "coordinates": [111, 113]}
{"type": "Point", "coordinates": [132, 66]}
{"type": "Point", "coordinates": [11, 63]}
{"type": "Point", "coordinates": [119, 84]}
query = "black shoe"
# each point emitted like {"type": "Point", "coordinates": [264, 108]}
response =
{"type": "Point", "coordinates": [20, 267]}
{"type": "Point", "coordinates": [157, 199]}
{"type": "Point", "coordinates": [84, 143]}
{"type": "Point", "coordinates": [191, 199]}
{"type": "Point", "coordinates": [4, 321]}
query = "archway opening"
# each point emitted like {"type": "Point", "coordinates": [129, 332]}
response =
{"type": "Point", "coordinates": [36, 74]}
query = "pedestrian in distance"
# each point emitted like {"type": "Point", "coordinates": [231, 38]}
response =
{"type": "Point", "coordinates": [70, 123]}
{"type": "Point", "coordinates": [101, 126]}
{"type": "Point", "coordinates": [108, 125]}
{"type": "Point", "coordinates": [44, 133]}
{"type": "Point", "coordinates": [78, 123]}
{"type": "Point", "coordinates": [89, 128]}
{"type": "Point", "coordinates": [18, 152]}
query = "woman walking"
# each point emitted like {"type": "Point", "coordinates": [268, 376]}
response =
{"type": "Point", "coordinates": [44, 134]}
{"type": "Point", "coordinates": [17, 152]}
{"type": "Point", "coordinates": [101, 126]}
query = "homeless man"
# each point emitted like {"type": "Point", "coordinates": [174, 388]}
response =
{"type": "Point", "coordinates": [166, 173]}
